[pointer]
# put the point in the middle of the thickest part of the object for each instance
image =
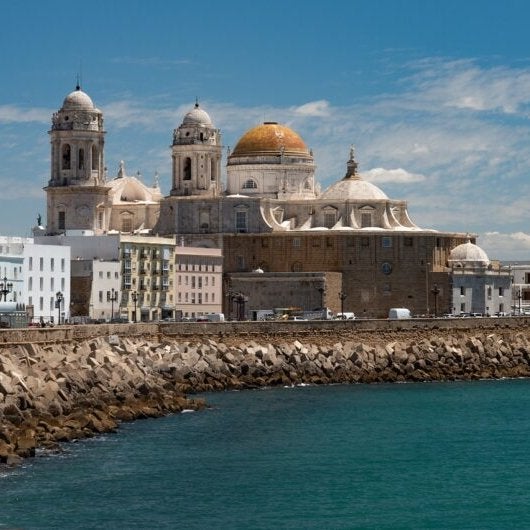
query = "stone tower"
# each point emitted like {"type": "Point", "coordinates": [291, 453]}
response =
{"type": "Point", "coordinates": [196, 153]}
{"type": "Point", "coordinates": [77, 181]}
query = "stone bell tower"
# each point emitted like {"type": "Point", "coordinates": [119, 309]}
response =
{"type": "Point", "coordinates": [196, 153]}
{"type": "Point", "coordinates": [77, 180]}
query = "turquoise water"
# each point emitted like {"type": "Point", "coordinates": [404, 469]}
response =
{"type": "Point", "coordinates": [438, 455]}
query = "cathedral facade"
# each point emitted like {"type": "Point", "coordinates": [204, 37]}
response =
{"type": "Point", "coordinates": [270, 215]}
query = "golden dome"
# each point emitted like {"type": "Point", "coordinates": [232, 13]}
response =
{"type": "Point", "coordinates": [271, 139]}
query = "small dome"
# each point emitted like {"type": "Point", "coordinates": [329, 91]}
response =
{"type": "Point", "coordinates": [353, 189]}
{"type": "Point", "coordinates": [271, 139]}
{"type": "Point", "coordinates": [197, 116]}
{"type": "Point", "coordinates": [78, 100]}
{"type": "Point", "coordinates": [468, 254]}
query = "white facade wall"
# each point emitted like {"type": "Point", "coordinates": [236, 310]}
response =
{"type": "Point", "coordinates": [106, 282]}
{"type": "Point", "coordinates": [198, 281]}
{"type": "Point", "coordinates": [38, 273]}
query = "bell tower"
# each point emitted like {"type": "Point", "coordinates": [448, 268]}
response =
{"type": "Point", "coordinates": [77, 180]}
{"type": "Point", "coordinates": [196, 154]}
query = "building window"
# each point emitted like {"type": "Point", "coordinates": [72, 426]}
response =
{"type": "Point", "coordinates": [41, 303]}
{"type": "Point", "coordinates": [296, 242]}
{"type": "Point", "coordinates": [94, 157]}
{"type": "Point", "coordinates": [386, 242]}
{"type": "Point", "coordinates": [365, 241]}
{"type": "Point", "coordinates": [501, 291]}
{"type": "Point", "coordinates": [330, 219]}
{"type": "Point", "coordinates": [52, 264]}
{"type": "Point", "coordinates": [126, 224]}
{"type": "Point", "coordinates": [41, 284]}
{"type": "Point", "coordinates": [329, 242]}
{"type": "Point", "coordinates": [30, 266]}
{"type": "Point", "coordinates": [240, 263]}
{"type": "Point", "coordinates": [62, 264]}
{"type": "Point", "coordinates": [187, 169]}
{"type": "Point", "coordinates": [241, 221]}
{"type": "Point", "coordinates": [408, 241]}
{"type": "Point", "coordinates": [249, 185]}
{"type": "Point", "coordinates": [81, 159]}
{"type": "Point", "coordinates": [52, 284]}
{"type": "Point", "coordinates": [296, 267]}
{"type": "Point", "coordinates": [489, 292]}
{"type": "Point", "coordinates": [100, 219]}
{"type": "Point", "coordinates": [61, 220]}
{"type": "Point", "coordinates": [41, 264]}
{"type": "Point", "coordinates": [62, 284]}
{"type": "Point", "coordinates": [462, 308]}
{"type": "Point", "coordinates": [462, 291]}
{"type": "Point", "coordinates": [501, 308]}
{"type": "Point", "coordinates": [101, 296]}
{"type": "Point", "coordinates": [66, 156]}
{"type": "Point", "coordinates": [366, 219]}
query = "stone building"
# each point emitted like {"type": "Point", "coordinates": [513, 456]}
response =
{"type": "Point", "coordinates": [79, 197]}
{"type": "Point", "coordinates": [479, 286]}
{"type": "Point", "coordinates": [271, 214]}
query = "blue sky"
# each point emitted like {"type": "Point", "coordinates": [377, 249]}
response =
{"type": "Point", "coordinates": [434, 95]}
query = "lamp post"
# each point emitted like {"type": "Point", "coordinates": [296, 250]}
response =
{"type": "Point", "coordinates": [5, 288]}
{"type": "Point", "coordinates": [134, 296]}
{"type": "Point", "coordinates": [58, 300]}
{"type": "Point", "coordinates": [435, 292]}
{"type": "Point", "coordinates": [113, 298]}
{"type": "Point", "coordinates": [342, 297]}
{"type": "Point", "coordinates": [322, 291]}
{"type": "Point", "coordinates": [519, 296]}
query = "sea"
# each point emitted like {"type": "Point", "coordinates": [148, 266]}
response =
{"type": "Point", "coordinates": [381, 456]}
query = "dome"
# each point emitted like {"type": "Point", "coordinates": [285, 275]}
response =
{"type": "Point", "coordinates": [468, 254]}
{"type": "Point", "coordinates": [78, 100]}
{"type": "Point", "coordinates": [197, 116]}
{"type": "Point", "coordinates": [353, 189]}
{"type": "Point", "coordinates": [271, 139]}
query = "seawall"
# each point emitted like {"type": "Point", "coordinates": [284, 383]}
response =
{"type": "Point", "coordinates": [64, 383]}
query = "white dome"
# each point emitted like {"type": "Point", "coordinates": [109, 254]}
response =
{"type": "Point", "coordinates": [353, 189]}
{"type": "Point", "coordinates": [197, 116]}
{"type": "Point", "coordinates": [468, 254]}
{"type": "Point", "coordinates": [78, 100]}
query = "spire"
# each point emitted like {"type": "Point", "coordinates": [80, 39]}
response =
{"type": "Point", "coordinates": [351, 171]}
{"type": "Point", "coordinates": [196, 102]}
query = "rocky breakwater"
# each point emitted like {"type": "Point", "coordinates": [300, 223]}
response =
{"type": "Point", "coordinates": [53, 393]}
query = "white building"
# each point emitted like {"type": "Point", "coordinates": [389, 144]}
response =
{"type": "Point", "coordinates": [479, 285]}
{"type": "Point", "coordinates": [39, 275]}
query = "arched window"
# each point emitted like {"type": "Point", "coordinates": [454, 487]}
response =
{"type": "Point", "coordinates": [81, 159]}
{"type": "Point", "coordinates": [66, 156]}
{"type": "Point", "coordinates": [187, 169]}
{"type": "Point", "coordinates": [249, 184]}
{"type": "Point", "coordinates": [94, 157]}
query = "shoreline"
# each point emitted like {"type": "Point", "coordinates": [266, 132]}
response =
{"type": "Point", "coordinates": [54, 391]}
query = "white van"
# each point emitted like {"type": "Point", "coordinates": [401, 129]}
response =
{"type": "Point", "coordinates": [398, 313]}
{"type": "Point", "coordinates": [345, 316]}
{"type": "Point", "coordinates": [215, 317]}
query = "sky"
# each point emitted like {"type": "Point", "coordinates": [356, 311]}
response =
{"type": "Point", "coordinates": [434, 95]}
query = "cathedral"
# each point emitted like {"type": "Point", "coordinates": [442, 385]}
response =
{"type": "Point", "coordinates": [270, 215]}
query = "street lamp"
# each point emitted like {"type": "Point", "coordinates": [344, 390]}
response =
{"type": "Point", "coordinates": [322, 291]}
{"type": "Point", "coordinates": [134, 296]}
{"type": "Point", "coordinates": [5, 288]}
{"type": "Point", "coordinates": [435, 291]}
{"type": "Point", "coordinates": [342, 297]}
{"type": "Point", "coordinates": [58, 300]}
{"type": "Point", "coordinates": [113, 298]}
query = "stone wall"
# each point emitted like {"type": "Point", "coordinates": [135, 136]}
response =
{"type": "Point", "coordinates": [71, 382]}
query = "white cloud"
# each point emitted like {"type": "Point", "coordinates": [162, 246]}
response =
{"type": "Point", "coordinates": [15, 114]}
{"type": "Point", "coordinates": [399, 175]}
{"type": "Point", "coordinates": [313, 109]}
